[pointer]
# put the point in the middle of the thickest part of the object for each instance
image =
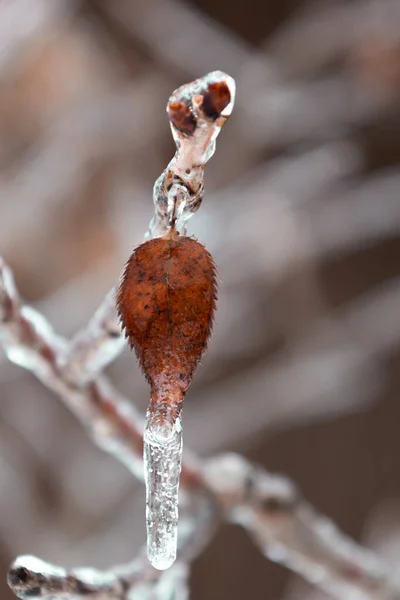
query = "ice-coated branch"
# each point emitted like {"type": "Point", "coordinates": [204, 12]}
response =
{"type": "Point", "coordinates": [31, 577]}
{"type": "Point", "coordinates": [95, 346]}
{"type": "Point", "coordinates": [291, 532]}
{"type": "Point", "coordinates": [197, 111]}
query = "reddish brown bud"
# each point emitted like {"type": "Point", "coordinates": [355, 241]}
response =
{"type": "Point", "coordinates": [215, 99]}
{"type": "Point", "coordinates": [181, 117]}
{"type": "Point", "coordinates": [166, 303]}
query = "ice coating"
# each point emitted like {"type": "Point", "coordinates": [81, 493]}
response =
{"type": "Point", "coordinates": [162, 467]}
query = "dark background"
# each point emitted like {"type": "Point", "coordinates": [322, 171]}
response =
{"type": "Point", "coordinates": [302, 214]}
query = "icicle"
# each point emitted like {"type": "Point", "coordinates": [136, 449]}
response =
{"type": "Point", "coordinates": [162, 464]}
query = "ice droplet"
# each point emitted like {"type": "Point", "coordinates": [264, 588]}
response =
{"type": "Point", "coordinates": [162, 465]}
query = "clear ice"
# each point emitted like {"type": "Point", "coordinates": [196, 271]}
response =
{"type": "Point", "coordinates": [162, 465]}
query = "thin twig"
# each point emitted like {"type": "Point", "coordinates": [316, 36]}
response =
{"type": "Point", "coordinates": [31, 577]}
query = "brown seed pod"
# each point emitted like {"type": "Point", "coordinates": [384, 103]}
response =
{"type": "Point", "coordinates": [166, 302]}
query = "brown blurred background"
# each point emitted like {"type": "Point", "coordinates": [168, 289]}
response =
{"type": "Point", "coordinates": [302, 214]}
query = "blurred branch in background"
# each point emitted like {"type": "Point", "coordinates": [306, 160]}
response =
{"type": "Point", "coordinates": [301, 214]}
{"type": "Point", "coordinates": [286, 529]}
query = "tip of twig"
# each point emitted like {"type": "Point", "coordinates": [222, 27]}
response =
{"type": "Point", "coordinates": [26, 572]}
{"type": "Point", "coordinates": [208, 98]}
